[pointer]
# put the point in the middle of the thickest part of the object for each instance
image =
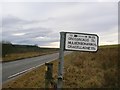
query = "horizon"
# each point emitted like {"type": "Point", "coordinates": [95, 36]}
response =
{"type": "Point", "coordinates": [49, 47]}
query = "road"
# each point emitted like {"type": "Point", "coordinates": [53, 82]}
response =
{"type": "Point", "coordinates": [15, 68]}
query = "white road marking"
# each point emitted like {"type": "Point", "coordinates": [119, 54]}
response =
{"type": "Point", "coordinates": [25, 70]}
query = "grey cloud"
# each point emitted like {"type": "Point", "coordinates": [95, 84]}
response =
{"type": "Point", "coordinates": [37, 32]}
{"type": "Point", "coordinates": [23, 40]}
{"type": "Point", "coordinates": [10, 20]}
{"type": "Point", "coordinates": [30, 35]}
{"type": "Point", "coordinates": [80, 17]}
{"type": "Point", "coordinates": [94, 17]}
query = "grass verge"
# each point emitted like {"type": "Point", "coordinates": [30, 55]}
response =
{"type": "Point", "coordinates": [18, 56]}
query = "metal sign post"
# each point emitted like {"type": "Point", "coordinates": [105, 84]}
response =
{"type": "Point", "coordinates": [61, 60]}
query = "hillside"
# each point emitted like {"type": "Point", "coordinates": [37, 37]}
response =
{"type": "Point", "coordinates": [12, 52]}
{"type": "Point", "coordinates": [81, 70]}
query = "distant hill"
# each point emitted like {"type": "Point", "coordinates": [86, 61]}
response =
{"type": "Point", "coordinates": [8, 48]}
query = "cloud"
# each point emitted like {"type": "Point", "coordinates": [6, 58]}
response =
{"type": "Point", "coordinates": [95, 18]}
{"type": "Point", "coordinates": [23, 35]}
{"type": "Point", "coordinates": [40, 23]}
{"type": "Point", "coordinates": [9, 20]}
{"type": "Point", "coordinates": [18, 34]}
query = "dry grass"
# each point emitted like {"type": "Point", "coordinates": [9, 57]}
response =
{"type": "Point", "coordinates": [81, 70]}
{"type": "Point", "coordinates": [92, 70]}
{"type": "Point", "coordinates": [18, 56]}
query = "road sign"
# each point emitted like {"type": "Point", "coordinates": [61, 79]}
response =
{"type": "Point", "coordinates": [74, 41]}
{"type": "Point", "coordinates": [81, 42]}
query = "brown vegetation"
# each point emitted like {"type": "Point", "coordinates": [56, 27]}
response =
{"type": "Point", "coordinates": [81, 70]}
{"type": "Point", "coordinates": [11, 52]}
{"type": "Point", "coordinates": [18, 56]}
{"type": "Point", "coordinates": [92, 70]}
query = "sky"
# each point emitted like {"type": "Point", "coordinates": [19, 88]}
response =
{"type": "Point", "coordinates": [40, 22]}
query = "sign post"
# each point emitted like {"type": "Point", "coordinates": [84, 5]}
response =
{"type": "Point", "coordinates": [71, 41]}
{"type": "Point", "coordinates": [61, 60]}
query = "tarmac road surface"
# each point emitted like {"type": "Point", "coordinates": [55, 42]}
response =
{"type": "Point", "coordinates": [15, 68]}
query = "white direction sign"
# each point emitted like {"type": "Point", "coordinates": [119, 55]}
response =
{"type": "Point", "coordinates": [81, 42]}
